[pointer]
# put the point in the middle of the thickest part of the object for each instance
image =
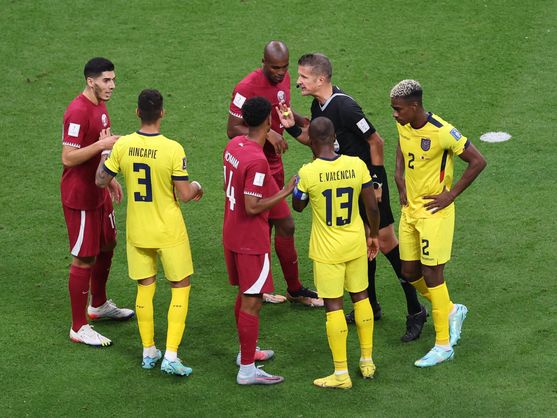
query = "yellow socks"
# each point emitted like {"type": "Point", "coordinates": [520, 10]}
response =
{"type": "Point", "coordinates": [144, 312]}
{"type": "Point", "coordinates": [177, 313]}
{"type": "Point", "coordinates": [364, 325]}
{"type": "Point", "coordinates": [441, 306]}
{"type": "Point", "coordinates": [422, 288]}
{"type": "Point", "coordinates": [337, 331]}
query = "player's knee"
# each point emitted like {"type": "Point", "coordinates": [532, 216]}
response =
{"type": "Point", "coordinates": [284, 227]}
{"type": "Point", "coordinates": [387, 239]}
{"type": "Point", "coordinates": [108, 247]}
{"type": "Point", "coordinates": [410, 272]}
{"type": "Point", "coordinates": [84, 262]}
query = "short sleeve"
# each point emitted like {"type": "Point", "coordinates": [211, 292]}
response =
{"type": "Point", "coordinates": [355, 120]}
{"type": "Point", "coordinates": [451, 139]}
{"type": "Point", "coordinates": [366, 177]}
{"type": "Point", "coordinates": [300, 190]}
{"type": "Point", "coordinates": [240, 94]}
{"type": "Point", "coordinates": [76, 125]}
{"type": "Point", "coordinates": [179, 164]}
{"type": "Point", "coordinates": [112, 163]}
{"type": "Point", "coordinates": [257, 179]}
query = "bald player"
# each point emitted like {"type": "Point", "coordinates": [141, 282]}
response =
{"type": "Point", "coordinates": [272, 81]}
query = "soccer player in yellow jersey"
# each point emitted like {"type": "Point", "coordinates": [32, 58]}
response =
{"type": "Point", "coordinates": [154, 168]}
{"type": "Point", "coordinates": [333, 183]}
{"type": "Point", "coordinates": [424, 177]}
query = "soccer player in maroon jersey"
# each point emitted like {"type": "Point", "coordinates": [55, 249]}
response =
{"type": "Point", "coordinates": [250, 193]}
{"type": "Point", "coordinates": [88, 209]}
{"type": "Point", "coordinates": [272, 81]}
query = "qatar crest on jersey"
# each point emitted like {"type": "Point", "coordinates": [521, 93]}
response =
{"type": "Point", "coordinates": [281, 96]}
{"type": "Point", "coordinates": [104, 120]}
{"type": "Point", "coordinates": [426, 144]}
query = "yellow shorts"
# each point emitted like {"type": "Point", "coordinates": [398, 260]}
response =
{"type": "Point", "coordinates": [176, 261]}
{"type": "Point", "coordinates": [331, 279]}
{"type": "Point", "coordinates": [429, 240]}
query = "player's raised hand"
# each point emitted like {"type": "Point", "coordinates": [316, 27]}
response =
{"type": "Point", "coordinates": [107, 140]}
{"type": "Point", "coordinates": [285, 115]}
{"type": "Point", "coordinates": [439, 201]}
{"type": "Point", "coordinates": [372, 247]}
{"type": "Point", "coordinates": [277, 141]}
{"type": "Point", "coordinates": [289, 187]}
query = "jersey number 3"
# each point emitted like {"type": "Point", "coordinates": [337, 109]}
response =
{"type": "Point", "coordinates": [146, 181]}
{"type": "Point", "coordinates": [347, 204]}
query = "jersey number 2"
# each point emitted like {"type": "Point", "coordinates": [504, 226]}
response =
{"type": "Point", "coordinates": [146, 181]}
{"type": "Point", "coordinates": [340, 192]}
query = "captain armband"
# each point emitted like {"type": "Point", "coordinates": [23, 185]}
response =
{"type": "Point", "coordinates": [299, 194]}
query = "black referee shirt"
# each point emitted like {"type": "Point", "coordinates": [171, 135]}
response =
{"type": "Point", "coordinates": [352, 128]}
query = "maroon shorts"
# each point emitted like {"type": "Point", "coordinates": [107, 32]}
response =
{"type": "Point", "coordinates": [90, 230]}
{"type": "Point", "coordinates": [280, 210]}
{"type": "Point", "coordinates": [252, 272]}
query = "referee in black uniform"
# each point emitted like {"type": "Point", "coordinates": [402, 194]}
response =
{"type": "Point", "coordinates": [356, 136]}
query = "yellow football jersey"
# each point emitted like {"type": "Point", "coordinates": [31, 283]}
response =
{"type": "Point", "coordinates": [149, 163]}
{"type": "Point", "coordinates": [428, 162]}
{"type": "Point", "coordinates": [333, 188]}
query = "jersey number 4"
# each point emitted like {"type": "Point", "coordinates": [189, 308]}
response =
{"type": "Point", "coordinates": [145, 181]}
{"type": "Point", "coordinates": [229, 190]}
{"type": "Point", "coordinates": [345, 204]}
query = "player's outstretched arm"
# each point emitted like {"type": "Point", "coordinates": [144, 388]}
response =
{"type": "Point", "coordinates": [476, 163]}
{"type": "Point", "coordinates": [187, 191]}
{"type": "Point", "coordinates": [399, 177]}
{"type": "Point", "coordinates": [72, 156]}
{"type": "Point", "coordinates": [255, 205]}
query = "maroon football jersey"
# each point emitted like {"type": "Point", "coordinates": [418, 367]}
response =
{"type": "Point", "coordinates": [83, 122]}
{"type": "Point", "coordinates": [246, 172]}
{"type": "Point", "coordinates": [257, 84]}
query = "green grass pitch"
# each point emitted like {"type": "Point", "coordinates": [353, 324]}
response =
{"type": "Point", "coordinates": [485, 65]}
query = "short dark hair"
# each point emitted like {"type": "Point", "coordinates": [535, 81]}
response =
{"type": "Point", "coordinates": [321, 129]}
{"type": "Point", "coordinates": [96, 66]}
{"type": "Point", "coordinates": [319, 63]}
{"type": "Point", "coordinates": [149, 105]}
{"type": "Point", "coordinates": [255, 110]}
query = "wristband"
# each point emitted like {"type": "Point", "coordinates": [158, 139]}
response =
{"type": "Point", "coordinates": [106, 152]}
{"type": "Point", "coordinates": [295, 131]}
{"type": "Point", "coordinates": [197, 184]}
{"type": "Point", "coordinates": [378, 176]}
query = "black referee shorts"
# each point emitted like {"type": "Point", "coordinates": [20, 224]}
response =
{"type": "Point", "coordinates": [385, 212]}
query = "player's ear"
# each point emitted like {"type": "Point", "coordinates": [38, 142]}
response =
{"type": "Point", "coordinates": [162, 113]}
{"type": "Point", "coordinates": [137, 112]}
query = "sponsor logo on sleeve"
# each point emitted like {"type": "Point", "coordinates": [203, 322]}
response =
{"type": "Point", "coordinates": [184, 163]}
{"type": "Point", "coordinates": [456, 135]}
{"type": "Point", "coordinates": [259, 179]}
{"type": "Point", "coordinates": [239, 100]}
{"type": "Point", "coordinates": [73, 130]}
{"type": "Point", "coordinates": [363, 125]}
{"type": "Point", "coordinates": [426, 144]}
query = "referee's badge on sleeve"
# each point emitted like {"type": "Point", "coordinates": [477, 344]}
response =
{"type": "Point", "coordinates": [363, 125]}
